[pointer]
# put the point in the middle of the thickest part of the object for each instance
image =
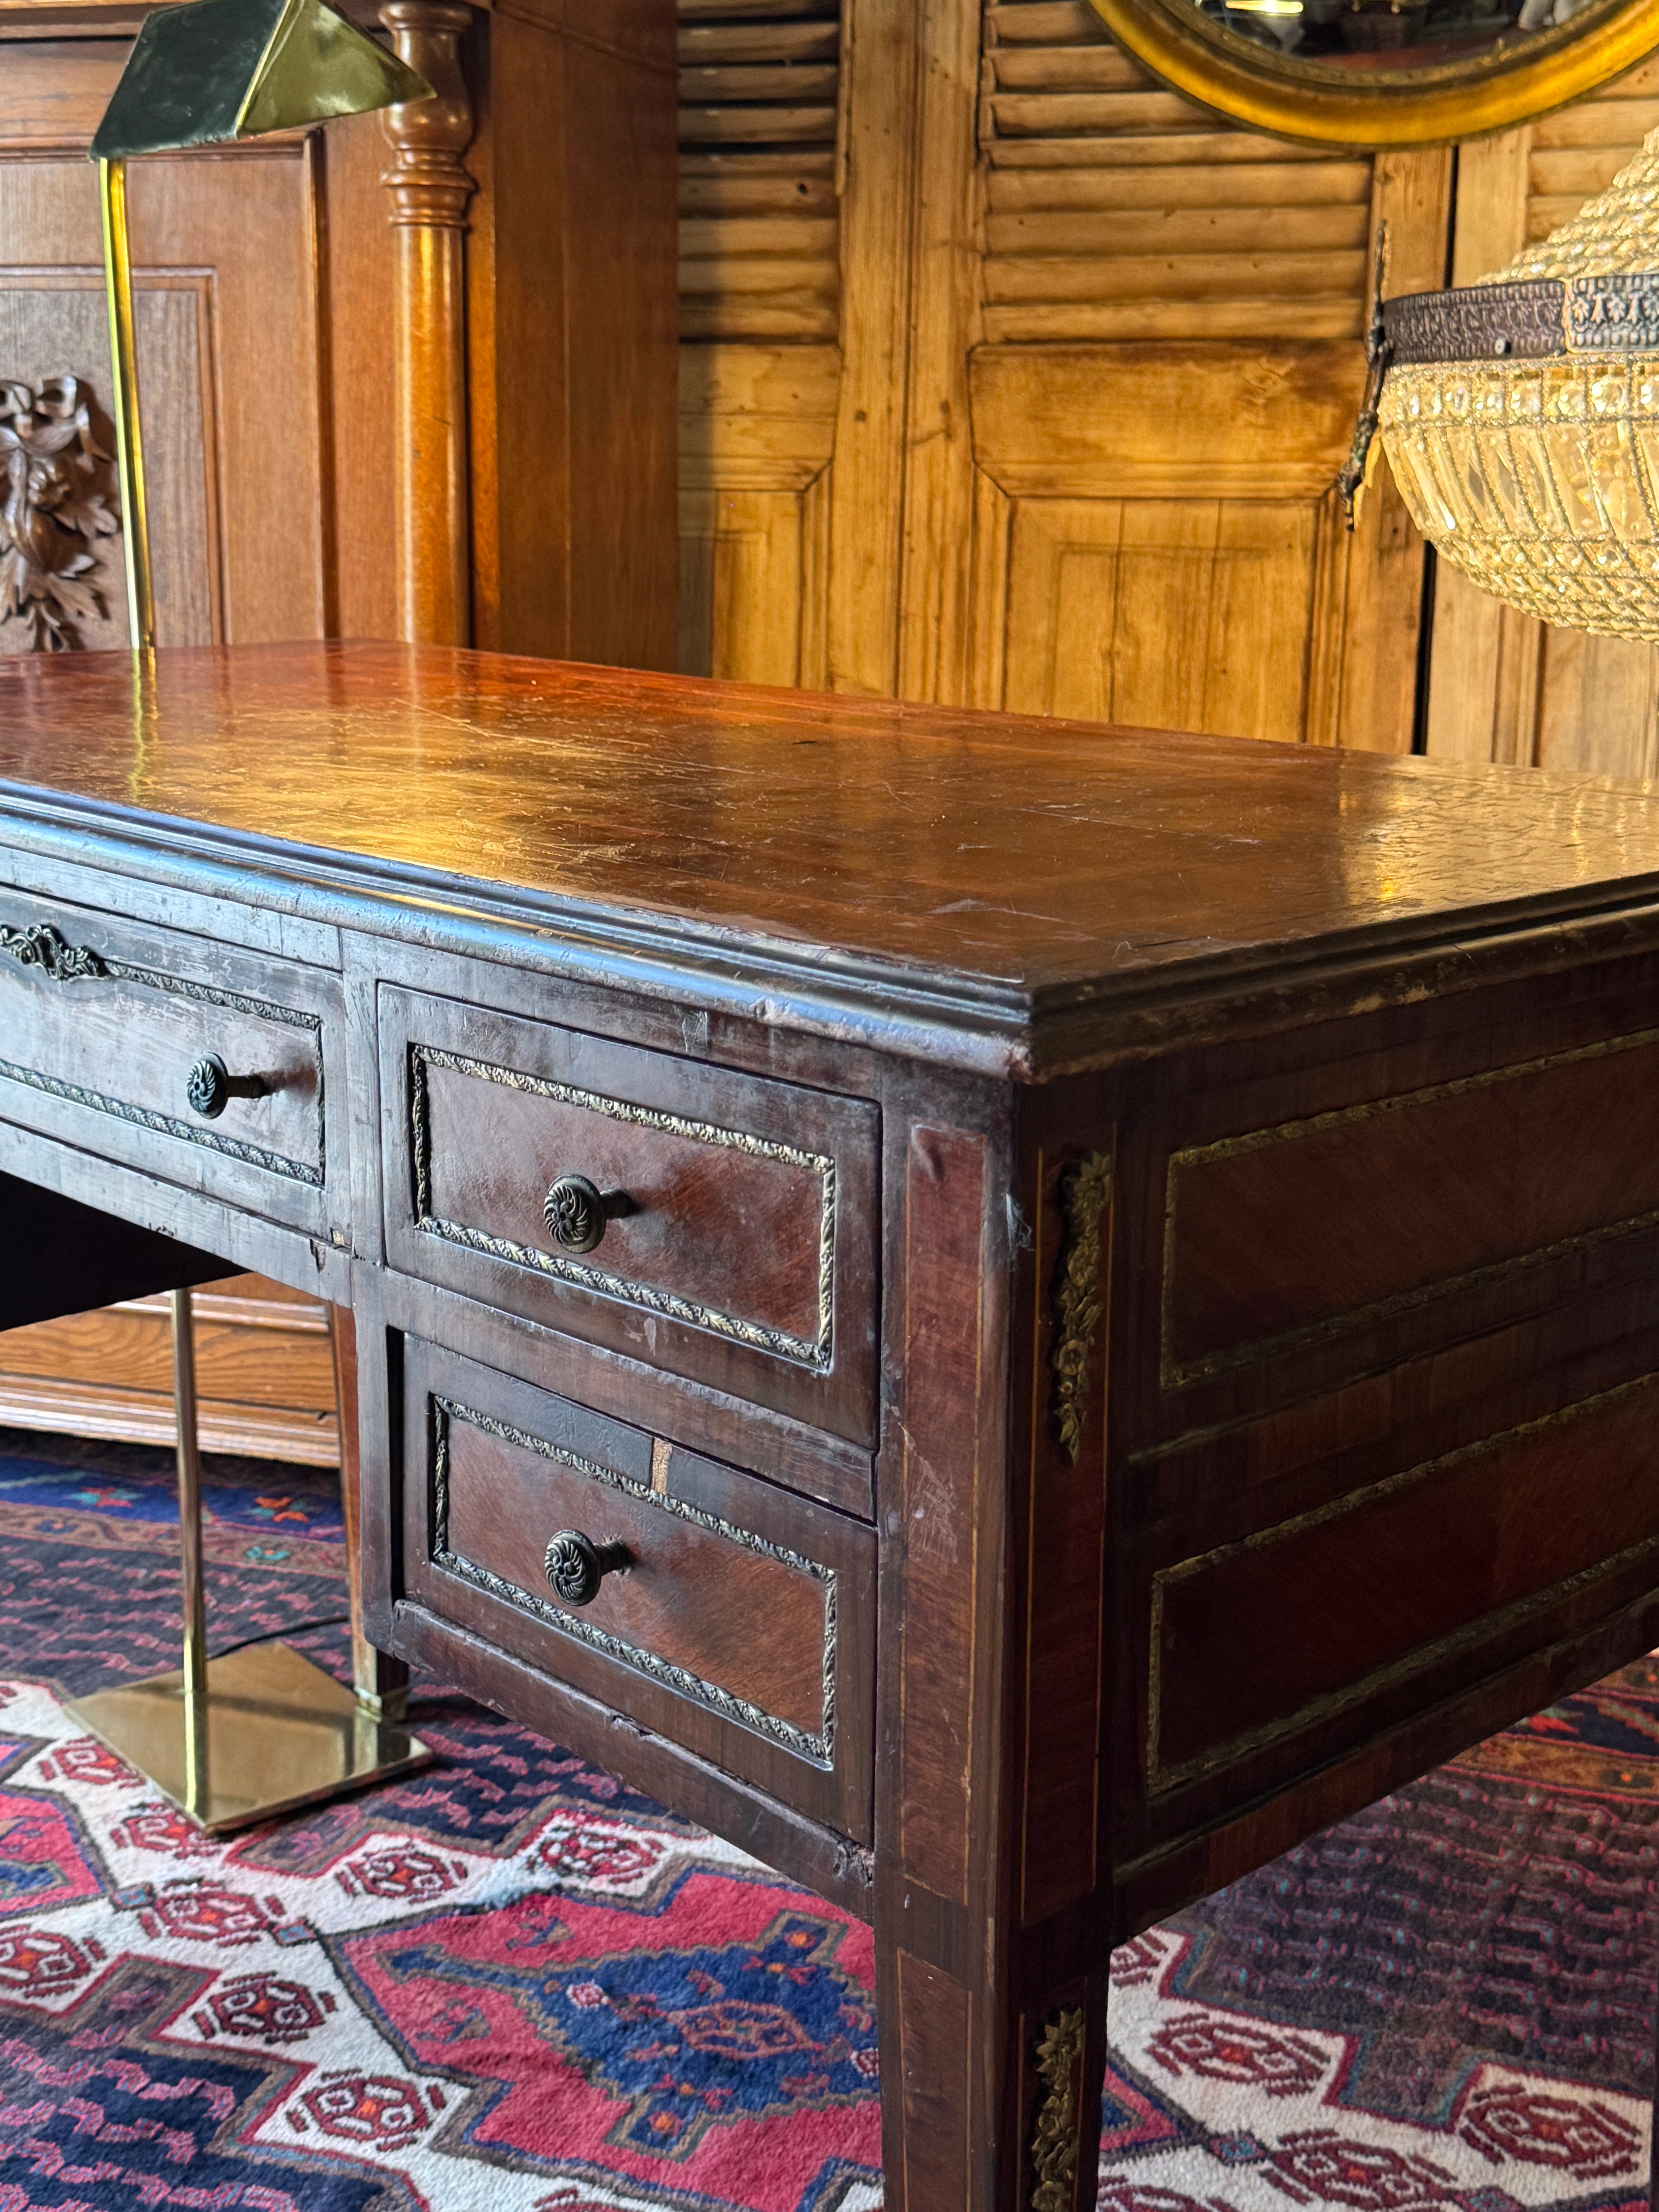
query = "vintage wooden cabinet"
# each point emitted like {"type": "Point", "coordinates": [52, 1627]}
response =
{"type": "Point", "coordinates": [404, 378]}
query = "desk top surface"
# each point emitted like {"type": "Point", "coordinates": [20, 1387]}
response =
{"type": "Point", "coordinates": [1045, 861]}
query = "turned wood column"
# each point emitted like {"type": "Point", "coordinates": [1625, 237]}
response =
{"type": "Point", "coordinates": [430, 188]}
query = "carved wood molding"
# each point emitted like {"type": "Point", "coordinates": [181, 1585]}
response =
{"type": "Point", "coordinates": [56, 482]}
{"type": "Point", "coordinates": [427, 180]}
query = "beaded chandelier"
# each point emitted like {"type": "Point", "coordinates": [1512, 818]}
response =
{"type": "Point", "coordinates": [1521, 416]}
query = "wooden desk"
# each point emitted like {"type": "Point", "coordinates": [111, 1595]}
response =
{"type": "Point", "coordinates": [1135, 1329]}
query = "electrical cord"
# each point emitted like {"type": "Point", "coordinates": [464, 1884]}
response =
{"type": "Point", "coordinates": [275, 1635]}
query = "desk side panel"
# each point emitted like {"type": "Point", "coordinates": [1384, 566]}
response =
{"type": "Point", "coordinates": [1381, 1465]}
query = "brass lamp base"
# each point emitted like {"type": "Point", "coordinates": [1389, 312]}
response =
{"type": "Point", "coordinates": [270, 1732]}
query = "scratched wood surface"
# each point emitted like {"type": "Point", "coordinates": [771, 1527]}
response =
{"type": "Point", "coordinates": [1043, 857]}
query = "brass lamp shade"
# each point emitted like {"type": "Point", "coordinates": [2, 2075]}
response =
{"type": "Point", "coordinates": [213, 71]}
{"type": "Point", "coordinates": [1521, 416]}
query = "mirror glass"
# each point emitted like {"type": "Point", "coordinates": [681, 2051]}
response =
{"type": "Point", "coordinates": [1385, 72]}
{"type": "Point", "coordinates": [1356, 35]}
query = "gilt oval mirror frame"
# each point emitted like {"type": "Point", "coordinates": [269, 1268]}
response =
{"type": "Point", "coordinates": [1382, 73]}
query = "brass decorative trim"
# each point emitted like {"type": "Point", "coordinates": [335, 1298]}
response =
{"type": "Point", "coordinates": [816, 1355]}
{"type": "Point", "coordinates": [40, 947]}
{"type": "Point", "coordinates": [1531, 318]}
{"type": "Point", "coordinates": [1176, 1373]}
{"type": "Point", "coordinates": [820, 1749]}
{"type": "Point", "coordinates": [1331, 1704]}
{"type": "Point", "coordinates": [1058, 2058]}
{"type": "Point", "coordinates": [1085, 1190]}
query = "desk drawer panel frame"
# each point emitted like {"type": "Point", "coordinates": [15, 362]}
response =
{"type": "Point", "coordinates": [795, 1721]}
{"type": "Point", "coordinates": [1401, 1203]}
{"type": "Point", "coordinates": [144, 983]}
{"type": "Point", "coordinates": [1519, 1531]}
{"type": "Point", "coordinates": [794, 1168]}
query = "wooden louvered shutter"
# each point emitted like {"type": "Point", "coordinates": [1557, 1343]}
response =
{"type": "Point", "coordinates": [1010, 376]}
{"type": "Point", "coordinates": [1166, 387]}
{"type": "Point", "coordinates": [759, 303]}
{"type": "Point", "coordinates": [1116, 210]}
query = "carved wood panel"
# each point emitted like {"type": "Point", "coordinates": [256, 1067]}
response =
{"type": "Point", "coordinates": [50, 325]}
{"type": "Point", "coordinates": [228, 348]}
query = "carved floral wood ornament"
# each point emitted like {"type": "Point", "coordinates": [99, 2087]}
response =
{"type": "Point", "coordinates": [55, 508]}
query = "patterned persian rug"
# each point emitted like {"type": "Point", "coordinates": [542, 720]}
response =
{"type": "Point", "coordinates": [508, 1985]}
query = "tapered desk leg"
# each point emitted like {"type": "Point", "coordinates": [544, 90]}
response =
{"type": "Point", "coordinates": [992, 1933]}
{"type": "Point", "coordinates": [989, 2103]}
{"type": "Point", "coordinates": [382, 1683]}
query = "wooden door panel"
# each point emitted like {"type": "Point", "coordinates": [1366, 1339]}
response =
{"type": "Point", "coordinates": [741, 585]}
{"type": "Point", "coordinates": [247, 220]}
{"type": "Point", "coordinates": [1598, 704]}
{"type": "Point", "coordinates": [227, 363]}
{"type": "Point", "coordinates": [51, 324]}
{"type": "Point", "coordinates": [1168, 613]}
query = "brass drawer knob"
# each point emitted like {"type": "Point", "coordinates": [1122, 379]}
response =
{"type": "Point", "coordinates": [576, 1211]}
{"type": "Point", "coordinates": [576, 1565]}
{"type": "Point", "coordinates": [210, 1086]}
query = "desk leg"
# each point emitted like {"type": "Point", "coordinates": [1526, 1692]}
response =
{"type": "Point", "coordinates": [987, 2105]}
{"type": "Point", "coordinates": [382, 1683]}
{"type": "Point", "coordinates": [991, 1958]}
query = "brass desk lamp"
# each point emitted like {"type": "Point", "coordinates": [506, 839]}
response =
{"type": "Point", "coordinates": [261, 1730]}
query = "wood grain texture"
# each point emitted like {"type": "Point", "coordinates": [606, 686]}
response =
{"type": "Point", "coordinates": [1116, 210]}
{"type": "Point", "coordinates": [1333, 1604]}
{"type": "Point", "coordinates": [380, 1682]}
{"type": "Point", "coordinates": [1258, 421]}
{"type": "Point", "coordinates": [110, 1053]}
{"type": "Point", "coordinates": [853, 822]}
{"type": "Point", "coordinates": [546, 500]}
{"type": "Point", "coordinates": [759, 92]}
{"type": "Point", "coordinates": [881, 49]}
{"type": "Point", "coordinates": [570, 266]}
{"type": "Point", "coordinates": [1063, 1555]}
{"type": "Point", "coordinates": [933, 2044]}
{"type": "Point", "coordinates": [945, 1200]}
{"type": "Point", "coordinates": [266, 1378]}
{"type": "Point", "coordinates": [430, 186]}
{"type": "Point", "coordinates": [1397, 1210]}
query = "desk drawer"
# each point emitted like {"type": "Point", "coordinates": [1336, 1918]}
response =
{"type": "Point", "coordinates": [718, 1611]}
{"type": "Point", "coordinates": [741, 1253]}
{"type": "Point", "coordinates": [142, 1044]}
